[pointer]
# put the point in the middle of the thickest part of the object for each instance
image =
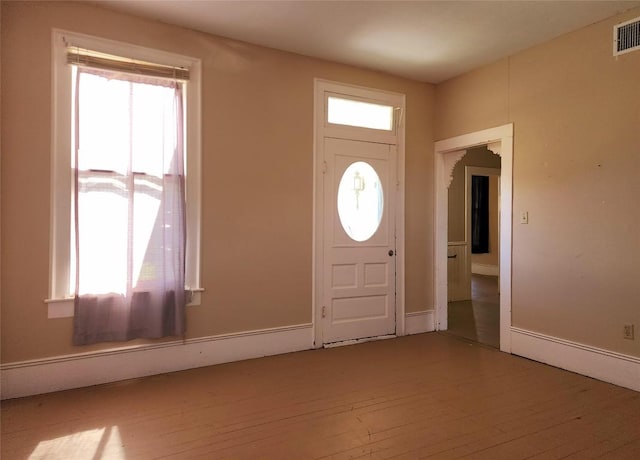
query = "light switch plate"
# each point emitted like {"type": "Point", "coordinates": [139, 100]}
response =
{"type": "Point", "coordinates": [628, 332]}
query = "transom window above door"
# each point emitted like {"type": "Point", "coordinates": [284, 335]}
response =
{"type": "Point", "coordinates": [359, 114]}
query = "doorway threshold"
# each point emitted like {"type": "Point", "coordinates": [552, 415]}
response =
{"type": "Point", "coordinates": [355, 341]}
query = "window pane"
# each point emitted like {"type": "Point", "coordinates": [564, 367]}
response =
{"type": "Point", "coordinates": [360, 201]}
{"type": "Point", "coordinates": [104, 124]}
{"type": "Point", "coordinates": [147, 246]}
{"type": "Point", "coordinates": [360, 114]}
{"type": "Point", "coordinates": [154, 133]}
{"type": "Point", "coordinates": [102, 220]}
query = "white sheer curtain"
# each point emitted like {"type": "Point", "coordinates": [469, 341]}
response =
{"type": "Point", "coordinates": [129, 207]}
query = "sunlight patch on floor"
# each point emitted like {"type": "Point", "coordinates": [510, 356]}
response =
{"type": "Point", "coordinates": [96, 444]}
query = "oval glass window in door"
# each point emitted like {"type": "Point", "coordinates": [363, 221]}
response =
{"type": "Point", "coordinates": [360, 201]}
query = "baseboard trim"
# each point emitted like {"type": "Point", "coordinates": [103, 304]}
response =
{"type": "Point", "coordinates": [33, 377]}
{"type": "Point", "coordinates": [419, 322]}
{"type": "Point", "coordinates": [484, 269]}
{"type": "Point", "coordinates": [608, 366]}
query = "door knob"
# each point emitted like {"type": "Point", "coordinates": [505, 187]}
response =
{"type": "Point", "coordinates": [391, 252]}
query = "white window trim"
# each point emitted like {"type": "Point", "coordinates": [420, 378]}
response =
{"type": "Point", "coordinates": [60, 301]}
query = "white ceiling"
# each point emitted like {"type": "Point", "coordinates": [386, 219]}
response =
{"type": "Point", "coordinates": [429, 41]}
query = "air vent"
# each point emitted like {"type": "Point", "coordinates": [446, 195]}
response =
{"type": "Point", "coordinates": [626, 37]}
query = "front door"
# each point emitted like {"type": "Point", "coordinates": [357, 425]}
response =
{"type": "Point", "coordinates": [359, 240]}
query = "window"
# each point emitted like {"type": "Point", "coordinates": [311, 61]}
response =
{"type": "Point", "coordinates": [349, 112]}
{"type": "Point", "coordinates": [137, 104]}
{"type": "Point", "coordinates": [360, 201]}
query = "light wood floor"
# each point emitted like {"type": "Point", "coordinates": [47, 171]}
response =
{"type": "Point", "coordinates": [427, 395]}
{"type": "Point", "coordinates": [478, 319]}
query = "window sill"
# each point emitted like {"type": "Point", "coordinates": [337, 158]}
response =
{"type": "Point", "coordinates": [63, 308]}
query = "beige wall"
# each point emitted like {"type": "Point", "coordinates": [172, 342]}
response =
{"type": "Point", "coordinates": [257, 175]}
{"type": "Point", "coordinates": [576, 116]}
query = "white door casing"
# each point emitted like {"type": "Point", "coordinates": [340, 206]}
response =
{"type": "Point", "coordinates": [359, 276]}
{"type": "Point", "coordinates": [447, 153]}
{"type": "Point", "coordinates": [339, 261]}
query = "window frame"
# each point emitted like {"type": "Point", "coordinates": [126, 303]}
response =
{"type": "Point", "coordinates": [60, 301]}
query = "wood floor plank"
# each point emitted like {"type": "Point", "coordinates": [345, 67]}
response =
{"type": "Point", "coordinates": [423, 396]}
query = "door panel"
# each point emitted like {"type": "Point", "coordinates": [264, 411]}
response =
{"type": "Point", "coordinates": [359, 276]}
{"type": "Point", "coordinates": [351, 309]}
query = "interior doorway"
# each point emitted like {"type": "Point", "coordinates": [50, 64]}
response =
{"type": "Point", "coordinates": [448, 153]}
{"type": "Point", "coordinates": [473, 252]}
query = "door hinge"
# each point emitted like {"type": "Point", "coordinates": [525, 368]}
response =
{"type": "Point", "coordinates": [324, 167]}
{"type": "Point", "coordinates": [324, 311]}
